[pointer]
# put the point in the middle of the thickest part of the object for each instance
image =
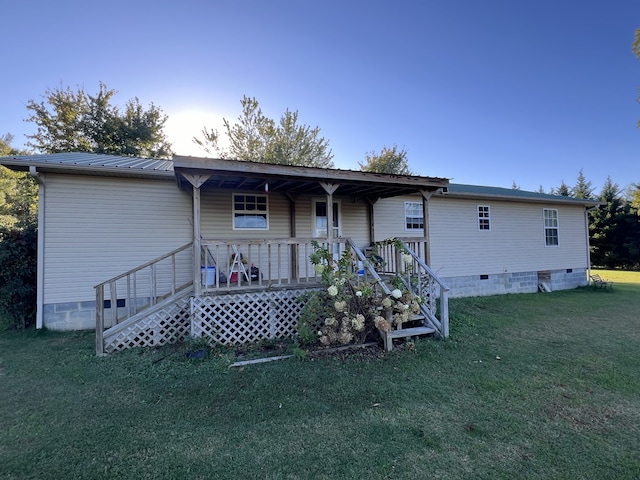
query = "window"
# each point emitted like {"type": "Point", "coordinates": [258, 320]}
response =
{"type": "Point", "coordinates": [551, 237]}
{"type": "Point", "coordinates": [484, 222]}
{"type": "Point", "coordinates": [250, 212]}
{"type": "Point", "coordinates": [413, 216]}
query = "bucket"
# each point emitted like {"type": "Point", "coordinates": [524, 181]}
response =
{"type": "Point", "coordinates": [208, 275]}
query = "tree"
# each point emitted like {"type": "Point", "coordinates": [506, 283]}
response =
{"type": "Point", "coordinates": [18, 243]}
{"type": "Point", "coordinates": [74, 121]}
{"type": "Point", "coordinates": [614, 230]}
{"type": "Point", "coordinates": [18, 192]}
{"type": "Point", "coordinates": [389, 160]}
{"type": "Point", "coordinates": [563, 190]}
{"type": "Point", "coordinates": [583, 188]}
{"type": "Point", "coordinates": [603, 226]}
{"type": "Point", "coordinates": [257, 138]}
{"type": "Point", "coordinates": [635, 197]}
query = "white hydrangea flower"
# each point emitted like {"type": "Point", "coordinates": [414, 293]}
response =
{"type": "Point", "coordinates": [396, 293]}
{"type": "Point", "coordinates": [332, 290]}
{"type": "Point", "coordinates": [407, 259]}
{"type": "Point", "coordinates": [358, 293]}
{"type": "Point", "coordinates": [319, 268]}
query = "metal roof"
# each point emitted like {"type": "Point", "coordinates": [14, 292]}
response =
{"type": "Point", "coordinates": [91, 163]}
{"type": "Point", "coordinates": [293, 180]}
{"type": "Point", "coordinates": [511, 194]}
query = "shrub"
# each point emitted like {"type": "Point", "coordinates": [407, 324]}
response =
{"type": "Point", "coordinates": [346, 311]}
{"type": "Point", "coordinates": [18, 258]}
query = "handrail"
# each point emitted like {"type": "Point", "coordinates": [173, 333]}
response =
{"type": "Point", "coordinates": [420, 279]}
{"type": "Point", "coordinates": [166, 276]}
{"type": "Point", "coordinates": [368, 266]}
{"type": "Point", "coordinates": [148, 264]}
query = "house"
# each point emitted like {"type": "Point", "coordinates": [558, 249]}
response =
{"type": "Point", "coordinates": [147, 251]}
{"type": "Point", "coordinates": [488, 240]}
{"type": "Point", "coordinates": [163, 242]}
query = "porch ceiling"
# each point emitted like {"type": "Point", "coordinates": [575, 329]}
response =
{"type": "Point", "coordinates": [295, 180]}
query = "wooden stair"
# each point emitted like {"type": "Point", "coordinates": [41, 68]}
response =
{"type": "Point", "coordinates": [417, 327]}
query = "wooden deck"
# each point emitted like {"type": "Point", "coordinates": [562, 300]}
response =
{"type": "Point", "coordinates": [156, 303]}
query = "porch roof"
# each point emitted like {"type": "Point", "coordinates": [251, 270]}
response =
{"type": "Point", "coordinates": [294, 180]}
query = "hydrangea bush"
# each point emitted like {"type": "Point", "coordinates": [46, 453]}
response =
{"type": "Point", "coordinates": [348, 309]}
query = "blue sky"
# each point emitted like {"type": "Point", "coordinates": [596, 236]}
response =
{"type": "Point", "coordinates": [484, 92]}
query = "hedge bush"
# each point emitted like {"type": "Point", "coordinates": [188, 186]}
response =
{"type": "Point", "coordinates": [18, 261]}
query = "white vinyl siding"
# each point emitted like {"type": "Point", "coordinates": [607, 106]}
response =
{"type": "Point", "coordinates": [99, 227]}
{"type": "Point", "coordinates": [458, 248]}
{"type": "Point", "coordinates": [389, 219]}
{"type": "Point", "coordinates": [217, 217]}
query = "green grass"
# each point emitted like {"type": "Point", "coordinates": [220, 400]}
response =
{"type": "Point", "coordinates": [528, 386]}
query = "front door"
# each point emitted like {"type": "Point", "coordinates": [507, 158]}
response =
{"type": "Point", "coordinates": [320, 223]}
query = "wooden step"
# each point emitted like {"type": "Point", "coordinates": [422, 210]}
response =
{"type": "Point", "coordinates": [410, 332]}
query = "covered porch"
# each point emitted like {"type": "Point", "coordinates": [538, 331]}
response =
{"type": "Point", "coordinates": [264, 201]}
{"type": "Point", "coordinates": [235, 284]}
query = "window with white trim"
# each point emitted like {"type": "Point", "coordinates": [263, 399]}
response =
{"type": "Point", "coordinates": [250, 212]}
{"type": "Point", "coordinates": [551, 231]}
{"type": "Point", "coordinates": [484, 217]}
{"type": "Point", "coordinates": [413, 216]}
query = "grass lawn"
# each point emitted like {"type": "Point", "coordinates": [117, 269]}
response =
{"type": "Point", "coordinates": [533, 386]}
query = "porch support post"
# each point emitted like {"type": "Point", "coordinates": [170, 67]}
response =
{"type": "Point", "coordinates": [197, 283]}
{"type": "Point", "coordinates": [329, 188]}
{"type": "Point", "coordinates": [196, 181]}
{"type": "Point", "coordinates": [293, 251]}
{"type": "Point", "coordinates": [426, 195]}
{"type": "Point", "coordinates": [372, 226]}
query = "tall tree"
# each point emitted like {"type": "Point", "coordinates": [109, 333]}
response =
{"type": "Point", "coordinates": [604, 224]}
{"type": "Point", "coordinates": [18, 192]}
{"type": "Point", "coordinates": [563, 190]}
{"type": "Point", "coordinates": [615, 230]}
{"type": "Point", "coordinates": [634, 197]}
{"type": "Point", "coordinates": [389, 160]}
{"type": "Point", "coordinates": [583, 188]}
{"type": "Point", "coordinates": [74, 121]}
{"type": "Point", "coordinates": [257, 138]}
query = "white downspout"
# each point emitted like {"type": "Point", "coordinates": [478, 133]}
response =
{"type": "Point", "coordinates": [40, 255]}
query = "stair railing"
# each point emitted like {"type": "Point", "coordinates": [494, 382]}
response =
{"type": "Point", "coordinates": [368, 268]}
{"type": "Point", "coordinates": [422, 281]}
{"type": "Point", "coordinates": [142, 287]}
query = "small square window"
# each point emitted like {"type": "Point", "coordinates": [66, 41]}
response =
{"type": "Point", "coordinates": [250, 212]}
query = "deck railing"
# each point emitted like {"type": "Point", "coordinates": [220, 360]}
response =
{"type": "Point", "coordinates": [125, 295]}
{"type": "Point", "coordinates": [260, 263]}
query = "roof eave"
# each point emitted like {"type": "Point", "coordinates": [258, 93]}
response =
{"type": "Point", "coordinates": [515, 198]}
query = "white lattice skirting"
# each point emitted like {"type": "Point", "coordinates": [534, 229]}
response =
{"type": "Point", "coordinates": [167, 325]}
{"type": "Point", "coordinates": [246, 317]}
{"type": "Point", "coordinates": [223, 319]}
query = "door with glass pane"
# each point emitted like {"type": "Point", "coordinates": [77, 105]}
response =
{"type": "Point", "coordinates": [320, 223]}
